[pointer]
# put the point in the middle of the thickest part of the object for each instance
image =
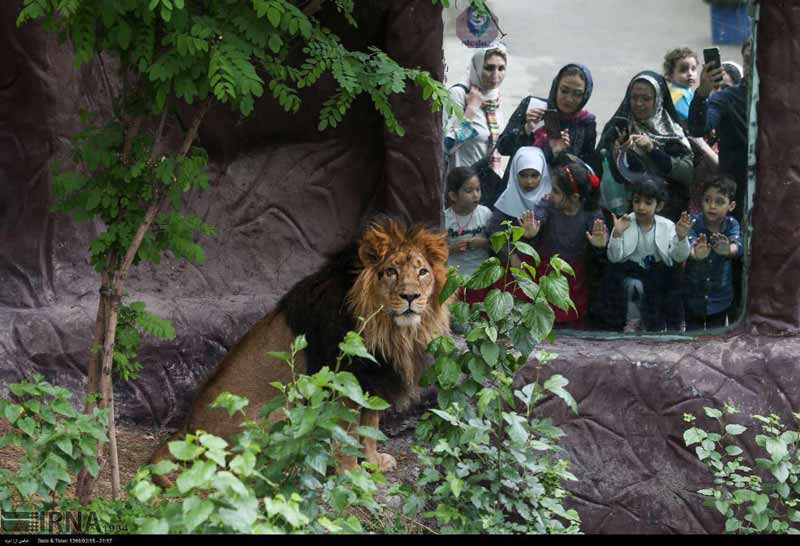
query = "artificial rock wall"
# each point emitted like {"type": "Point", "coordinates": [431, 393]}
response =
{"type": "Point", "coordinates": [284, 196]}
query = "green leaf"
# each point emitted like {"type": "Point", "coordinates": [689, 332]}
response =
{"type": "Point", "coordinates": [539, 319]}
{"type": "Point", "coordinates": [230, 403]}
{"type": "Point", "coordinates": [353, 345]}
{"type": "Point", "coordinates": [446, 416]}
{"type": "Point", "coordinates": [152, 526]}
{"type": "Point", "coordinates": [693, 436]}
{"type": "Point", "coordinates": [195, 512]}
{"type": "Point", "coordinates": [12, 412]}
{"type": "Point", "coordinates": [486, 397]}
{"type": "Point", "coordinates": [732, 525]}
{"type": "Point", "coordinates": [456, 485]}
{"type": "Point", "coordinates": [275, 43]}
{"type": "Point", "coordinates": [65, 445]}
{"type": "Point", "coordinates": [199, 475]}
{"type": "Point", "coordinates": [488, 273]}
{"type": "Point", "coordinates": [144, 491]}
{"type": "Point", "coordinates": [733, 450]}
{"type": "Point", "coordinates": [556, 384]}
{"type": "Point", "coordinates": [556, 289]}
{"type": "Point", "coordinates": [243, 464]}
{"type": "Point", "coordinates": [460, 312]}
{"type": "Point", "coordinates": [449, 373]}
{"type": "Point", "coordinates": [184, 451]}
{"type": "Point", "coordinates": [498, 240]}
{"type": "Point", "coordinates": [453, 282]}
{"type": "Point", "coordinates": [274, 16]}
{"type": "Point", "coordinates": [528, 250]}
{"type": "Point", "coordinates": [163, 467]}
{"type": "Point", "coordinates": [498, 304]}
{"type": "Point", "coordinates": [490, 352]}
{"type": "Point", "coordinates": [561, 266]}
{"type": "Point", "coordinates": [777, 448]}
{"type": "Point", "coordinates": [713, 413]}
{"type": "Point", "coordinates": [734, 430]}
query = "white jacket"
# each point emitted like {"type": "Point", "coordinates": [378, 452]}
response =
{"type": "Point", "coordinates": [670, 250]}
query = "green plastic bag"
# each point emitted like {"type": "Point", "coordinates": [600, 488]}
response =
{"type": "Point", "coordinates": [613, 195]}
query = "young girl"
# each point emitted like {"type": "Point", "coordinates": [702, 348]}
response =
{"type": "Point", "coordinates": [568, 223]}
{"type": "Point", "coordinates": [465, 221]}
{"type": "Point", "coordinates": [528, 183]}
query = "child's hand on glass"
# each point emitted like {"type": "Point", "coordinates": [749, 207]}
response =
{"type": "Point", "coordinates": [721, 244]}
{"type": "Point", "coordinates": [599, 235]}
{"type": "Point", "coordinates": [530, 224]}
{"type": "Point", "coordinates": [701, 248]}
{"type": "Point", "coordinates": [533, 117]}
{"type": "Point", "coordinates": [620, 225]}
{"type": "Point", "coordinates": [560, 144]}
{"type": "Point", "coordinates": [683, 226]}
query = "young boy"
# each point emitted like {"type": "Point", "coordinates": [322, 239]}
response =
{"type": "Point", "coordinates": [648, 247]}
{"type": "Point", "coordinates": [680, 69]}
{"type": "Point", "coordinates": [716, 242]}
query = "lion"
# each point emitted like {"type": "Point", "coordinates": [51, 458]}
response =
{"type": "Point", "coordinates": [394, 272]}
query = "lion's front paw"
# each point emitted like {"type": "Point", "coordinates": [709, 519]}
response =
{"type": "Point", "coordinates": [383, 461]}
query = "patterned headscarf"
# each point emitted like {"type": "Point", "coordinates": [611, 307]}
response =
{"type": "Point", "coordinates": [661, 127]}
{"type": "Point", "coordinates": [513, 201]}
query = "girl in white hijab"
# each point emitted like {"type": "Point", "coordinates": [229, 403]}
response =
{"type": "Point", "coordinates": [469, 140]}
{"type": "Point", "coordinates": [520, 197]}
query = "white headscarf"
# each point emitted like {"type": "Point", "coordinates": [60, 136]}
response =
{"type": "Point", "coordinates": [513, 201]}
{"type": "Point", "coordinates": [475, 78]}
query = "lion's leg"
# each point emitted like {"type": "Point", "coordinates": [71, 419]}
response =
{"type": "Point", "coordinates": [347, 462]}
{"type": "Point", "coordinates": [384, 461]}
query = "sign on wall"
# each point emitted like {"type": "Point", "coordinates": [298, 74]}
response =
{"type": "Point", "coordinates": [475, 29]}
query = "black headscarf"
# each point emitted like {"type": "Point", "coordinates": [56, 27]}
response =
{"type": "Point", "coordinates": [587, 94]}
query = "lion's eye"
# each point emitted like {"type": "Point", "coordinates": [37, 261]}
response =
{"type": "Point", "coordinates": [391, 271]}
{"type": "Point", "coordinates": [423, 272]}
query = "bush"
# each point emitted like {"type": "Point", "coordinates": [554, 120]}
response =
{"type": "Point", "coordinates": [763, 502]}
{"type": "Point", "coordinates": [276, 477]}
{"type": "Point", "coordinates": [490, 463]}
{"type": "Point", "coordinates": [58, 441]}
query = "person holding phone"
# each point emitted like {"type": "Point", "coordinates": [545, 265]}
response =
{"type": "Point", "coordinates": [572, 128]}
{"type": "Point", "coordinates": [645, 136]}
{"type": "Point", "coordinates": [470, 140]}
{"type": "Point", "coordinates": [726, 112]}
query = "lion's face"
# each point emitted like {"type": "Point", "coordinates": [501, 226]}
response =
{"type": "Point", "coordinates": [404, 272]}
{"type": "Point", "coordinates": [404, 286]}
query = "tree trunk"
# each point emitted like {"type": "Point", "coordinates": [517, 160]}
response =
{"type": "Point", "coordinates": [113, 285]}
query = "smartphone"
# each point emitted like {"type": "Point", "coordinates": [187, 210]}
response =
{"type": "Point", "coordinates": [552, 123]}
{"type": "Point", "coordinates": [711, 55]}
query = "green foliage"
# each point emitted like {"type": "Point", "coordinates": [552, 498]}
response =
{"type": "Point", "coordinates": [490, 463]}
{"type": "Point", "coordinates": [231, 49]}
{"type": "Point", "coordinates": [133, 321]}
{"type": "Point", "coordinates": [277, 476]}
{"type": "Point", "coordinates": [58, 442]}
{"type": "Point", "coordinates": [751, 502]}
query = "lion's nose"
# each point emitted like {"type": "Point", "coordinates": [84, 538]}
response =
{"type": "Point", "coordinates": [409, 297]}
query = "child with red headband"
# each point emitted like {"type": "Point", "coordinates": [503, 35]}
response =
{"type": "Point", "coordinates": [568, 223]}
